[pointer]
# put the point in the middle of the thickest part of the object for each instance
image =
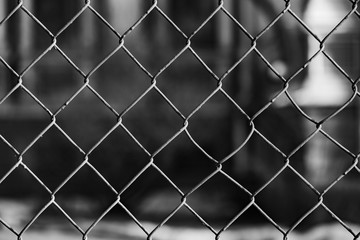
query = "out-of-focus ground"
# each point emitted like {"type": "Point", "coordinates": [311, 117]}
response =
{"type": "Point", "coordinates": [130, 231]}
{"type": "Point", "coordinates": [55, 229]}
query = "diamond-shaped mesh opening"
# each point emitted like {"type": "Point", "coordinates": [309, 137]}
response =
{"type": "Point", "coordinates": [120, 81]}
{"type": "Point", "coordinates": [58, 158]}
{"type": "Point", "coordinates": [53, 81]}
{"type": "Point", "coordinates": [150, 196]}
{"type": "Point", "coordinates": [175, 80]}
{"type": "Point", "coordinates": [153, 128]}
{"type": "Point", "coordinates": [285, 192]}
{"type": "Point", "coordinates": [325, 87]}
{"type": "Point", "coordinates": [239, 84]}
{"type": "Point", "coordinates": [211, 127]}
{"type": "Point", "coordinates": [88, 49]}
{"type": "Point", "coordinates": [96, 119]}
{"type": "Point", "coordinates": [289, 134]}
{"type": "Point", "coordinates": [252, 168]}
{"type": "Point", "coordinates": [168, 38]}
{"type": "Point", "coordinates": [118, 158]}
{"type": "Point", "coordinates": [83, 195]}
{"type": "Point", "coordinates": [224, 52]}
{"type": "Point", "coordinates": [324, 161]}
{"type": "Point", "coordinates": [218, 200]}
{"type": "Point", "coordinates": [181, 158]}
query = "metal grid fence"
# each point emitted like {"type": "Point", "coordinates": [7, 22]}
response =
{"type": "Point", "coordinates": [153, 85]}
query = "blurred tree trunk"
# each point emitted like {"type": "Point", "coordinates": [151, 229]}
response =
{"type": "Point", "coordinates": [3, 50]}
{"type": "Point", "coordinates": [251, 81]}
{"type": "Point", "coordinates": [241, 84]}
{"type": "Point", "coordinates": [12, 36]}
{"type": "Point", "coordinates": [290, 37]}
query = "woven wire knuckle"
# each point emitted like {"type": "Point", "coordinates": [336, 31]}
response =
{"type": "Point", "coordinates": [288, 96]}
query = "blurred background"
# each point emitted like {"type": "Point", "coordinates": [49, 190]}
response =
{"type": "Point", "coordinates": [218, 127]}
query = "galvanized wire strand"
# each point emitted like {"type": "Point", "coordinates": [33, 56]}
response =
{"type": "Point", "coordinates": [238, 24]}
{"type": "Point", "coordinates": [343, 224]}
{"type": "Point", "coordinates": [205, 22]}
{"type": "Point", "coordinates": [272, 23]}
{"type": "Point", "coordinates": [148, 11]}
{"type": "Point", "coordinates": [339, 145]}
{"type": "Point", "coordinates": [9, 15]}
{"type": "Point", "coordinates": [353, 165]}
{"type": "Point", "coordinates": [201, 219]}
{"type": "Point", "coordinates": [302, 218]}
{"type": "Point", "coordinates": [9, 67]}
{"type": "Point", "coordinates": [39, 23]}
{"type": "Point", "coordinates": [71, 21]}
{"type": "Point", "coordinates": [354, 7]}
{"type": "Point", "coordinates": [6, 96]}
{"type": "Point", "coordinates": [153, 86]}
{"type": "Point", "coordinates": [338, 67]}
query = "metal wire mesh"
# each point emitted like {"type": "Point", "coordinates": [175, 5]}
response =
{"type": "Point", "coordinates": [153, 85]}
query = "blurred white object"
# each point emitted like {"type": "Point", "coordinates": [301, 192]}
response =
{"type": "Point", "coordinates": [16, 213]}
{"type": "Point", "coordinates": [325, 85]}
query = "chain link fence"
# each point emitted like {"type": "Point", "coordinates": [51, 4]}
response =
{"type": "Point", "coordinates": [250, 119]}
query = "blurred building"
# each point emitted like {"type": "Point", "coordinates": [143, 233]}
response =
{"type": "Point", "coordinates": [328, 88]}
{"type": "Point", "coordinates": [220, 43]}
